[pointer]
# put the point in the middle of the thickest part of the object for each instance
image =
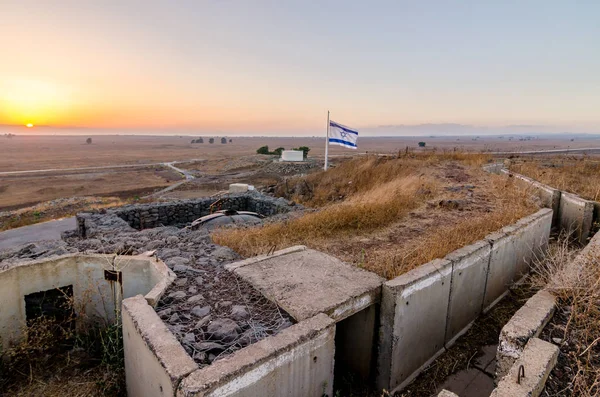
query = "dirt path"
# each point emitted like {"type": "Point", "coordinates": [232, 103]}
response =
{"type": "Point", "coordinates": [104, 167]}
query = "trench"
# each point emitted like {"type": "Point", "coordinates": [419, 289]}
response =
{"type": "Point", "coordinates": [467, 368]}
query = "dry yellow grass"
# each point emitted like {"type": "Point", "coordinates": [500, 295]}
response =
{"type": "Point", "coordinates": [514, 204]}
{"type": "Point", "coordinates": [579, 176]}
{"type": "Point", "coordinates": [576, 283]}
{"type": "Point", "coordinates": [363, 174]}
{"type": "Point", "coordinates": [378, 193]}
{"type": "Point", "coordinates": [361, 213]}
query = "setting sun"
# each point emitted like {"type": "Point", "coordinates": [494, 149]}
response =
{"type": "Point", "coordinates": [29, 125]}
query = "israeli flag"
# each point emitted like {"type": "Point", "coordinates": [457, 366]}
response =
{"type": "Point", "coordinates": [342, 135]}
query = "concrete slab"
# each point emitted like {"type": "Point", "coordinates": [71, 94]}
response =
{"type": "Point", "coordinates": [486, 361]}
{"type": "Point", "coordinates": [576, 216]}
{"type": "Point", "coordinates": [414, 310]}
{"type": "Point", "coordinates": [549, 197]}
{"type": "Point", "coordinates": [297, 362]}
{"type": "Point", "coordinates": [469, 273]}
{"type": "Point", "coordinates": [502, 270]}
{"type": "Point", "coordinates": [155, 361]}
{"type": "Point", "coordinates": [538, 360]}
{"type": "Point", "coordinates": [528, 322]}
{"type": "Point", "coordinates": [305, 282]}
{"type": "Point", "coordinates": [531, 240]}
{"type": "Point", "coordinates": [469, 383]}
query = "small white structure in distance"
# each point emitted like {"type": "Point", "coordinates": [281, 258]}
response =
{"type": "Point", "coordinates": [239, 188]}
{"type": "Point", "coordinates": [292, 155]}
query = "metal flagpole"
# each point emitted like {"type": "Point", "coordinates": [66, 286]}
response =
{"type": "Point", "coordinates": [327, 143]}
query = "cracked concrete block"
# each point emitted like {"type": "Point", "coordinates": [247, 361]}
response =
{"type": "Point", "coordinates": [528, 322]}
{"type": "Point", "coordinates": [537, 361]}
{"type": "Point", "coordinates": [305, 282]}
{"type": "Point", "coordinates": [413, 317]}
{"type": "Point", "coordinates": [469, 273]}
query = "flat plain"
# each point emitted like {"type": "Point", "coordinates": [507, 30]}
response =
{"type": "Point", "coordinates": [63, 152]}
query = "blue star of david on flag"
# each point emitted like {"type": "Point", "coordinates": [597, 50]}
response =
{"type": "Point", "coordinates": [341, 135]}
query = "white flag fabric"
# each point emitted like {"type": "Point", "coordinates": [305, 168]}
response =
{"type": "Point", "coordinates": [342, 135]}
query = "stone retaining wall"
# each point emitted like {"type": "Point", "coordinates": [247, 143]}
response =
{"type": "Point", "coordinates": [177, 213]}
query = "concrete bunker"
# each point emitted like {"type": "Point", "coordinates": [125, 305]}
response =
{"type": "Point", "coordinates": [336, 309]}
{"type": "Point", "coordinates": [75, 286]}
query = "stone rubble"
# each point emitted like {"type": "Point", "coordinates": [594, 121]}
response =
{"type": "Point", "coordinates": [209, 310]}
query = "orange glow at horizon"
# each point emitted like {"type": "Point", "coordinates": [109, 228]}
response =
{"type": "Point", "coordinates": [29, 125]}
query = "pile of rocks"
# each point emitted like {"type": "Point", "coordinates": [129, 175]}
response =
{"type": "Point", "coordinates": [210, 310]}
{"type": "Point", "coordinates": [292, 168]}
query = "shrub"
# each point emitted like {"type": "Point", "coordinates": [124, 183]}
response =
{"type": "Point", "coordinates": [304, 149]}
{"type": "Point", "coordinates": [263, 150]}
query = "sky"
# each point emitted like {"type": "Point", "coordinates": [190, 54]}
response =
{"type": "Point", "coordinates": [277, 67]}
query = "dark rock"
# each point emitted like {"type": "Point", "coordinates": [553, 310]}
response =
{"type": "Point", "coordinates": [180, 282]}
{"type": "Point", "coordinates": [239, 312]}
{"type": "Point", "coordinates": [223, 329]}
{"type": "Point", "coordinates": [177, 295]}
{"type": "Point", "coordinates": [196, 298]}
{"type": "Point", "coordinates": [209, 346]}
{"type": "Point", "coordinates": [201, 311]}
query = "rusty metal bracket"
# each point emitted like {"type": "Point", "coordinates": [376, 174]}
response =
{"type": "Point", "coordinates": [519, 376]}
{"type": "Point", "coordinates": [113, 275]}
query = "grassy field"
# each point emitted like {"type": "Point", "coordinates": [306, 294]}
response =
{"type": "Point", "coordinates": [576, 175]}
{"type": "Point", "coordinates": [390, 215]}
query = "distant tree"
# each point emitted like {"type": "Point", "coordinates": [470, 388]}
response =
{"type": "Point", "coordinates": [304, 149]}
{"type": "Point", "coordinates": [88, 141]}
{"type": "Point", "coordinates": [263, 150]}
{"type": "Point", "coordinates": [231, 140]}
{"type": "Point", "coordinates": [200, 140]}
{"type": "Point", "coordinates": [211, 140]}
{"type": "Point", "coordinates": [421, 144]}
{"type": "Point", "coordinates": [223, 140]}
{"type": "Point", "coordinates": [193, 141]}
{"type": "Point", "coordinates": [278, 151]}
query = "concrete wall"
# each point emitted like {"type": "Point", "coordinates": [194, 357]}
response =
{"type": "Point", "coordinates": [414, 308]}
{"type": "Point", "coordinates": [297, 362]}
{"type": "Point", "coordinates": [155, 361]}
{"type": "Point", "coordinates": [292, 155]}
{"type": "Point", "coordinates": [571, 212]}
{"type": "Point", "coordinates": [95, 298]}
{"type": "Point", "coordinates": [576, 216]}
{"type": "Point", "coordinates": [426, 309]}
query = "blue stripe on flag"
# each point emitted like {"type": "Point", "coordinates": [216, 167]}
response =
{"type": "Point", "coordinates": [334, 140]}
{"type": "Point", "coordinates": [334, 124]}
